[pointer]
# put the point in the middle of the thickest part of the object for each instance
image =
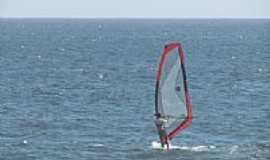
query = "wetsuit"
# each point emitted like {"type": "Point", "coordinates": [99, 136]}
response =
{"type": "Point", "coordinates": [162, 132]}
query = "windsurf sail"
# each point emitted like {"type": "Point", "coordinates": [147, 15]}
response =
{"type": "Point", "coordinates": [172, 100]}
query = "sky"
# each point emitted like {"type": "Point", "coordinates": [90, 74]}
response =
{"type": "Point", "coordinates": [136, 8]}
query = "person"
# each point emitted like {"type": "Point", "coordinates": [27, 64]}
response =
{"type": "Point", "coordinates": [160, 124]}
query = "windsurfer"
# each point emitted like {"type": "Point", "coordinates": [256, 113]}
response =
{"type": "Point", "coordinates": [160, 124]}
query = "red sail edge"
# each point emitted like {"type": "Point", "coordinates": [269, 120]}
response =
{"type": "Point", "coordinates": [188, 119]}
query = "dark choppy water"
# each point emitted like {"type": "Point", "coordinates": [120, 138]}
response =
{"type": "Point", "coordinates": [84, 89]}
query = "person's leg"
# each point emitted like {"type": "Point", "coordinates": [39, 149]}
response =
{"type": "Point", "coordinates": [167, 143]}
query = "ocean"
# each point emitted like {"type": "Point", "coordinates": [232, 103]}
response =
{"type": "Point", "coordinates": [83, 89]}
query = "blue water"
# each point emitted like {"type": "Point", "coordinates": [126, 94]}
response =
{"type": "Point", "coordinates": [84, 89]}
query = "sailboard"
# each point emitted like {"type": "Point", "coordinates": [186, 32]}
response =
{"type": "Point", "coordinates": [172, 100]}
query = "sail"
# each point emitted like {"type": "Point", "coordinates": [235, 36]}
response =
{"type": "Point", "coordinates": [172, 100]}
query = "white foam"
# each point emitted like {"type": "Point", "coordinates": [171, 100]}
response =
{"type": "Point", "coordinates": [97, 145]}
{"type": "Point", "coordinates": [100, 76]}
{"type": "Point", "coordinates": [157, 145]}
{"type": "Point", "coordinates": [25, 141]}
{"type": "Point", "coordinates": [233, 149]}
{"type": "Point", "coordinates": [199, 148]}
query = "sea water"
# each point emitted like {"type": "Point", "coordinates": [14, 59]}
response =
{"type": "Point", "coordinates": [84, 89]}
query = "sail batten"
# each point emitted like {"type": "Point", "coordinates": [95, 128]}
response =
{"type": "Point", "coordinates": [172, 98]}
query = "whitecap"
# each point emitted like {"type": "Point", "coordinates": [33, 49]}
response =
{"type": "Point", "coordinates": [200, 148]}
{"type": "Point", "coordinates": [100, 76]}
{"type": "Point", "coordinates": [97, 145]}
{"type": "Point", "coordinates": [233, 149]}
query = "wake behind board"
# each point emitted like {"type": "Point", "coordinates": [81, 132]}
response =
{"type": "Point", "coordinates": [157, 145]}
{"type": "Point", "coordinates": [172, 99]}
